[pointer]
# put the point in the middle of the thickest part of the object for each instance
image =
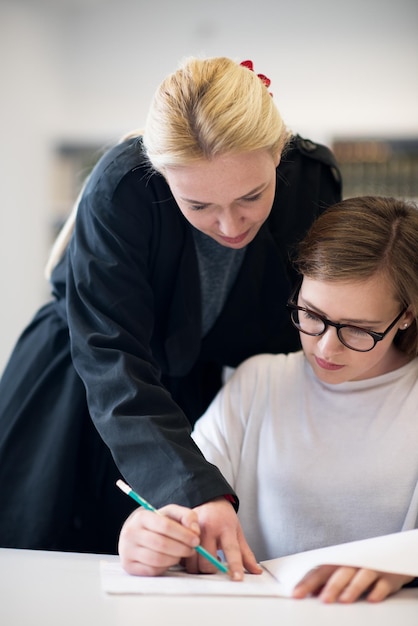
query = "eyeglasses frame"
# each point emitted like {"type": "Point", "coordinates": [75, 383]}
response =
{"type": "Point", "coordinates": [292, 306]}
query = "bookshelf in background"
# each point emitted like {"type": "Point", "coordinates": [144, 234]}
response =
{"type": "Point", "coordinates": [378, 166]}
{"type": "Point", "coordinates": [71, 164]}
{"type": "Point", "coordinates": [374, 166]}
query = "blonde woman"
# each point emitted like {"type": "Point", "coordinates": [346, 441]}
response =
{"type": "Point", "coordinates": [172, 265]}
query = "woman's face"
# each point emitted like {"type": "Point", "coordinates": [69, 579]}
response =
{"type": "Point", "coordinates": [228, 197]}
{"type": "Point", "coordinates": [369, 304]}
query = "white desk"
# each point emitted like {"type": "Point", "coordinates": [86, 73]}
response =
{"type": "Point", "coordinates": [58, 589]}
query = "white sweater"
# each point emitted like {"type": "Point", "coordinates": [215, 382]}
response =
{"type": "Point", "coordinates": [315, 464]}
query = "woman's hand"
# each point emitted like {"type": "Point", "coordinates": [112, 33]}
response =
{"type": "Point", "coordinates": [346, 584]}
{"type": "Point", "coordinates": [220, 529]}
{"type": "Point", "coordinates": [149, 543]}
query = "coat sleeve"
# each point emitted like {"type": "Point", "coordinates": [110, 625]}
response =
{"type": "Point", "coordinates": [111, 321]}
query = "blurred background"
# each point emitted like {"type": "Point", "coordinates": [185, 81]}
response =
{"type": "Point", "coordinates": [78, 74]}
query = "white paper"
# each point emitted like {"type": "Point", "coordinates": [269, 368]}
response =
{"type": "Point", "coordinates": [177, 582]}
{"type": "Point", "coordinates": [396, 553]}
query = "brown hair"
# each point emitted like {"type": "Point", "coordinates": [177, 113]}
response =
{"type": "Point", "coordinates": [360, 237]}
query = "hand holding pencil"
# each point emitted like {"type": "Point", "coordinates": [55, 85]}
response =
{"type": "Point", "coordinates": [149, 544]}
{"type": "Point", "coordinates": [193, 525]}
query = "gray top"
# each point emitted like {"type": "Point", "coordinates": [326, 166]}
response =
{"type": "Point", "coordinates": [218, 269]}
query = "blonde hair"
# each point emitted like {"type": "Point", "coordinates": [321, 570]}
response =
{"type": "Point", "coordinates": [364, 236]}
{"type": "Point", "coordinates": [209, 107]}
{"type": "Point", "coordinates": [206, 108]}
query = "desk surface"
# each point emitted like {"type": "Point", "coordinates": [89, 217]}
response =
{"type": "Point", "coordinates": [51, 588]}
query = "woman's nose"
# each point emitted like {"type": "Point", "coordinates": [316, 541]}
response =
{"type": "Point", "coordinates": [230, 223]}
{"type": "Point", "coordinates": [329, 342]}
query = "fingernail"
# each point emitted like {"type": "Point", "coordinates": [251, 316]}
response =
{"type": "Point", "coordinates": [237, 575]}
{"type": "Point", "coordinates": [326, 598]}
{"type": "Point", "coordinates": [195, 528]}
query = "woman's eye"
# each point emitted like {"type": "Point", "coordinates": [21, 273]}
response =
{"type": "Point", "coordinates": [253, 198]}
{"type": "Point", "coordinates": [310, 316]}
{"type": "Point", "coordinates": [356, 332]}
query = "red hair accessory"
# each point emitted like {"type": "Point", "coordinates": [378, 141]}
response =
{"type": "Point", "coordinates": [249, 64]}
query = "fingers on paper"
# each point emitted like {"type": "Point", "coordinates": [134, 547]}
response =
{"type": "Point", "coordinates": [239, 554]}
{"type": "Point", "coordinates": [347, 584]}
{"type": "Point", "coordinates": [221, 530]}
{"type": "Point", "coordinates": [386, 585]}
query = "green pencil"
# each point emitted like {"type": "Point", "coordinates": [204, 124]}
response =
{"type": "Point", "coordinates": [140, 500]}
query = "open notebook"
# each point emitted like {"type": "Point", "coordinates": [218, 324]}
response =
{"type": "Point", "coordinates": [396, 553]}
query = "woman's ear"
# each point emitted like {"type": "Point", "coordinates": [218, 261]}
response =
{"type": "Point", "coordinates": [407, 320]}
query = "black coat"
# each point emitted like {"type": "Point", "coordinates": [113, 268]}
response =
{"type": "Point", "coordinates": [124, 329]}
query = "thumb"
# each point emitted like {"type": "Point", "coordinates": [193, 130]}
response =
{"type": "Point", "coordinates": [190, 520]}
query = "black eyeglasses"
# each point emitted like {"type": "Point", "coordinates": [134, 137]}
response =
{"type": "Point", "coordinates": [352, 337]}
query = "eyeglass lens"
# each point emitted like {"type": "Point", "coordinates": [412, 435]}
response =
{"type": "Point", "coordinates": [351, 336]}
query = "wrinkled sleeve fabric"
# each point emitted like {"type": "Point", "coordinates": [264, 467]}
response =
{"type": "Point", "coordinates": [110, 310]}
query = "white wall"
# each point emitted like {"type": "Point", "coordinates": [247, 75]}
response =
{"type": "Point", "coordinates": [86, 70]}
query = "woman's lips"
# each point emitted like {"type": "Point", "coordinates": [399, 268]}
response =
{"type": "Point", "coordinates": [326, 365]}
{"type": "Point", "coordinates": [234, 240]}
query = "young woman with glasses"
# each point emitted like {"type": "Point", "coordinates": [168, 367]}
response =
{"type": "Point", "coordinates": [321, 445]}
